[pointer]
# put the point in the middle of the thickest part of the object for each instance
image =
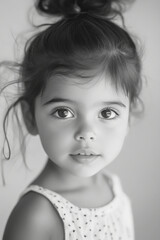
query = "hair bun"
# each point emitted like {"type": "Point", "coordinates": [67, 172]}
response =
{"type": "Point", "coordinates": [98, 7]}
{"type": "Point", "coordinates": [69, 7]}
{"type": "Point", "coordinates": [57, 7]}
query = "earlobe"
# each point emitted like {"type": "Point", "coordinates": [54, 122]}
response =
{"type": "Point", "coordinates": [131, 121]}
{"type": "Point", "coordinates": [28, 118]}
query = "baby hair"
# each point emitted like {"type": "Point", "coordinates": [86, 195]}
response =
{"type": "Point", "coordinates": [85, 42]}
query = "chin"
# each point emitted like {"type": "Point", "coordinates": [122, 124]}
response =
{"type": "Point", "coordinates": [86, 173]}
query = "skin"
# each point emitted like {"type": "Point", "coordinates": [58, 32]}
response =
{"type": "Point", "coordinates": [95, 116]}
{"type": "Point", "coordinates": [84, 124]}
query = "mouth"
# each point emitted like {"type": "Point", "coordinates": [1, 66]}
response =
{"type": "Point", "coordinates": [85, 156]}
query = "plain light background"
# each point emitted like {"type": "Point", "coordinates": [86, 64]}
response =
{"type": "Point", "coordinates": [139, 163]}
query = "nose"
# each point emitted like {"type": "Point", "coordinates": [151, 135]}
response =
{"type": "Point", "coordinates": [85, 135]}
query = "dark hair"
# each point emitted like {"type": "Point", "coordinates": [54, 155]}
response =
{"type": "Point", "coordinates": [85, 42]}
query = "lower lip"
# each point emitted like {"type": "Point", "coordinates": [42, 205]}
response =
{"type": "Point", "coordinates": [84, 159]}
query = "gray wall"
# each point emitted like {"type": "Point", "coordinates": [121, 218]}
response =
{"type": "Point", "coordinates": [139, 163]}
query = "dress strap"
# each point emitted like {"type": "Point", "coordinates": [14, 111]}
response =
{"type": "Point", "coordinates": [115, 183]}
{"type": "Point", "coordinates": [56, 199]}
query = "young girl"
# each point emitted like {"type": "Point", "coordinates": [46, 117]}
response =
{"type": "Point", "coordinates": [81, 79]}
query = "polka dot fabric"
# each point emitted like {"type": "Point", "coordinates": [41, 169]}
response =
{"type": "Point", "coordinates": [110, 222]}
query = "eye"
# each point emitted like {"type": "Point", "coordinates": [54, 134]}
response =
{"type": "Point", "coordinates": [108, 113]}
{"type": "Point", "coordinates": [63, 113]}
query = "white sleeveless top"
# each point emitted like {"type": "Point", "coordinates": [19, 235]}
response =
{"type": "Point", "coordinates": [110, 222]}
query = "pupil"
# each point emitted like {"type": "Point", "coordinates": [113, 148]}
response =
{"type": "Point", "coordinates": [106, 113]}
{"type": "Point", "coordinates": [62, 113]}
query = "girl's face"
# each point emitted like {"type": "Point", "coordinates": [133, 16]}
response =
{"type": "Point", "coordinates": [82, 127]}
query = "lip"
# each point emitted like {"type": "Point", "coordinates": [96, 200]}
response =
{"type": "Point", "coordinates": [84, 158]}
{"type": "Point", "coordinates": [85, 155]}
{"type": "Point", "coordinates": [85, 151]}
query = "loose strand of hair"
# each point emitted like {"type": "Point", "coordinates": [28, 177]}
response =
{"type": "Point", "coordinates": [5, 127]}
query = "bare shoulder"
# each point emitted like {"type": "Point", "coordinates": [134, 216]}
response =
{"type": "Point", "coordinates": [34, 218]}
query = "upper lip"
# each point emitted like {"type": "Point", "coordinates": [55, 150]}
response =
{"type": "Point", "coordinates": [85, 152]}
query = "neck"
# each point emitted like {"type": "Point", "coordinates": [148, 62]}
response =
{"type": "Point", "coordinates": [58, 179]}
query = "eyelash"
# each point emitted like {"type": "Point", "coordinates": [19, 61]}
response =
{"type": "Point", "coordinates": [69, 110]}
{"type": "Point", "coordinates": [61, 108]}
{"type": "Point", "coordinates": [112, 111]}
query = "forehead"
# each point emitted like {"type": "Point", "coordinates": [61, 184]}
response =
{"type": "Point", "coordinates": [80, 90]}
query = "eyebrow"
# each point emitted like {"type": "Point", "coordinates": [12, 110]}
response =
{"type": "Point", "coordinates": [59, 100]}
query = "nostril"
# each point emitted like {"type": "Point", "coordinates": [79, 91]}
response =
{"type": "Point", "coordinates": [86, 138]}
{"type": "Point", "coordinates": [81, 138]}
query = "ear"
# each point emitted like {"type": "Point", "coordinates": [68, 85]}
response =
{"type": "Point", "coordinates": [128, 128]}
{"type": "Point", "coordinates": [28, 118]}
{"type": "Point", "coordinates": [129, 124]}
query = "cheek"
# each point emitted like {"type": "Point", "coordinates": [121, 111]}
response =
{"type": "Point", "coordinates": [113, 137]}
{"type": "Point", "coordinates": [112, 145]}
{"type": "Point", "coordinates": [61, 131]}
{"type": "Point", "coordinates": [55, 137]}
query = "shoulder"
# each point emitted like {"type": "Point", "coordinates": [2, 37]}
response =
{"type": "Point", "coordinates": [34, 217]}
